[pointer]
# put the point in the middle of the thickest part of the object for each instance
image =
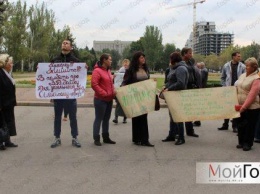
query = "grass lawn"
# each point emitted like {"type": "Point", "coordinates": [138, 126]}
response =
{"type": "Point", "coordinates": [213, 79]}
{"type": "Point", "coordinates": [27, 80]}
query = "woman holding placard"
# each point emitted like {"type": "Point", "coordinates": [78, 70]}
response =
{"type": "Point", "coordinates": [177, 79]}
{"type": "Point", "coordinates": [138, 71]}
{"type": "Point", "coordinates": [248, 87]}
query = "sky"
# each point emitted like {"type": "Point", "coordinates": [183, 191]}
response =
{"type": "Point", "coordinates": [108, 20]}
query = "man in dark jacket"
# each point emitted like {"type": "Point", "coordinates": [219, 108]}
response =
{"type": "Point", "coordinates": [193, 82]}
{"type": "Point", "coordinates": [70, 104]}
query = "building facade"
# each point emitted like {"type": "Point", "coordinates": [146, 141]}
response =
{"type": "Point", "coordinates": [208, 40]}
{"type": "Point", "coordinates": [117, 45]}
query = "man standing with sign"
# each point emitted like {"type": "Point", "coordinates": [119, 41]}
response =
{"type": "Point", "coordinates": [193, 83]}
{"type": "Point", "coordinates": [70, 104]}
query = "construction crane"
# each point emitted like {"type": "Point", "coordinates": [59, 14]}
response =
{"type": "Point", "coordinates": [194, 17]}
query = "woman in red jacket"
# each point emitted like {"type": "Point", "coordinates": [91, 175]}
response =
{"type": "Point", "coordinates": [102, 84]}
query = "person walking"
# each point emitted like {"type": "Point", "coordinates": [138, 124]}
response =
{"type": "Point", "coordinates": [102, 84]}
{"type": "Point", "coordinates": [230, 73]}
{"type": "Point", "coordinates": [7, 99]}
{"type": "Point", "coordinates": [69, 104]}
{"type": "Point", "coordinates": [138, 71]}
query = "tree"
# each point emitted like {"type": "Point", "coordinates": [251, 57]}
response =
{"type": "Point", "coordinates": [41, 27]}
{"type": "Point", "coordinates": [3, 7]}
{"type": "Point", "coordinates": [152, 44]}
{"type": "Point", "coordinates": [115, 57]}
{"type": "Point", "coordinates": [165, 57]}
{"type": "Point", "coordinates": [86, 56]}
{"type": "Point", "coordinates": [198, 58]}
{"type": "Point", "coordinates": [212, 62]}
{"type": "Point", "coordinates": [15, 33]}
{"type": "Point", "coordinates": [251, 51]}
{"type": "Point", "coordinates": [132, 48]}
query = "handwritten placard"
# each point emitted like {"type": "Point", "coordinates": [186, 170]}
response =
{"type": "Point", "coordinates": [118, 79]}
{"type": "Point", "coordinates": [202, 104]}
{"type": "Point", "coordinates": [138, 98]}
{"type": "Point", "coordinates": [60, 80]}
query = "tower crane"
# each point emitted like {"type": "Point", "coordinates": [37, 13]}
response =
{"type": "Point", "coordinates": [194, 17]}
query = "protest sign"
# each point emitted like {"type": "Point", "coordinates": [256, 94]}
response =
{"type": "Point", "coordinates": [138, 98]}
{"type": "Point", "coordinates": [202, 104]}
{"type": "Point", "coordinates": [60, 80]}
{"type": "Point", "coordinates": [118, 79]}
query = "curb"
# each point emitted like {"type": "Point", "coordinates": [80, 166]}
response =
{"type": "Point", "coordinates": [48, 104]}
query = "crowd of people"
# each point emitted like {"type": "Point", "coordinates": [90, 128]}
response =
{"type": "Point", "coordinates": [182, 74]}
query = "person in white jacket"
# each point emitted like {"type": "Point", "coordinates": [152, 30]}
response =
{"type": "Point", "coordinates": [230, 73]}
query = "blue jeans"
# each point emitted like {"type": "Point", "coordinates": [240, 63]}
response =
{"type": "Point", "coordinates": [102, 115]}
{"type": "Point", "coordinates": [71, 105]}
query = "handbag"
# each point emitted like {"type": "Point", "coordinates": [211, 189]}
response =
{"type": "Point", "coordinates": [157, 103]}
{"type": "Point", "coordinates": [4, 131]}
{"type": "Point", "coordinates": [161, 95]}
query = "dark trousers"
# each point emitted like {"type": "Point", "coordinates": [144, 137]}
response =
{"type": "Point", "coordinates": [8, 114]}
{"type": "Point", "coordinates": [102, 115]}
{"type": "Point", "coordinates": [140, 131]}
{"type": "Point", "coordinates": [189, 128]}
{"type": "Point", "coordinates": [234, 123]}
{"type": "Point", "coordinates": [173, 127]}
{"type": "Point", "coordinates": [71, 105]}
{"type": "Point", "coordinates": [180, 127]}
{"type": "Point", "coordinates": [257, 128]}
{"type": "Point", "coordinates": [246, 126]}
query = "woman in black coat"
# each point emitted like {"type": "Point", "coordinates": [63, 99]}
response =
{"type": "Point", "coordinates": [138, 71]}
{"type": "Point", "coordinates": [7, 98]}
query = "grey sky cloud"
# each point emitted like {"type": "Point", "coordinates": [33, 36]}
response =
{"type": "Point", "coordinates": [114, 19]}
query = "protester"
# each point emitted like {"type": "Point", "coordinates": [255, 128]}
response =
{"type": "Point", "coordinates": [248, 87]}
{"type": "Point", "coordinates": [257, 131]}
{"type": "Point", "coordinates": [204, 79]}
{"type": "Point", "coordinates": [118, 110]}
{"type": "Point", "coordinates": [102, 84]}
{"type": "Point", "coordinates": [177, 79]}
{"type": "Point", "coordinates": [7, 99]}
{"type": "Point", "coordinates": [70, 104]}
{"type": "Point", "coordinates": [138, 71]}
{"type": "Point", "coordinates": [230, 73]}
{"type": "Point", "coordinates": [193, 82]}
{"type": "Point", "coordinates": [257, 128]}
{"type": "Point", "coordinates": [173, 126]}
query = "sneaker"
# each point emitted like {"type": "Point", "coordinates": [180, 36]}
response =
{"type": "Point", "coordinates": [57, 142]}
{"type": "Point", "coordinates": [75, 142]}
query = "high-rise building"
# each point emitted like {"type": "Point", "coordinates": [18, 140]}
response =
{"type": "Point", "coordinates": [117, 45]}
{"type": "Point", "coordinates": [208, 40]}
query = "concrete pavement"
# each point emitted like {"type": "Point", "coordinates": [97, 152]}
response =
{"type": "Point", "coordinates": [34, 167]}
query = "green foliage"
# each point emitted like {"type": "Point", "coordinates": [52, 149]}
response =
{"type": "Point", "coordinates": [164, 61]}
{"type": "Point", "coordinates": [152, 44]}
{"type": "Point", "coordinates": [115, 57]}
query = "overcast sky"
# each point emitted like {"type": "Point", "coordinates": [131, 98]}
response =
{"type": "Point", "coordinates": [126, 19]}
